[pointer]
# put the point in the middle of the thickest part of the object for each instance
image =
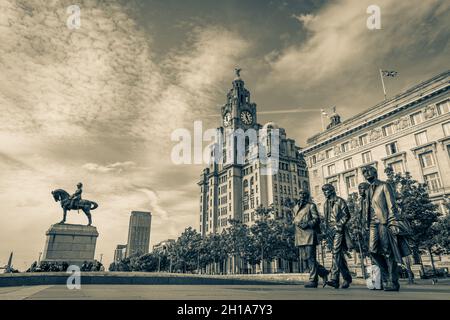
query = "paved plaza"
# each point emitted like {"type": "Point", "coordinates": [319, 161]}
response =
{"type": "Point", "coordinates": [220, 292]}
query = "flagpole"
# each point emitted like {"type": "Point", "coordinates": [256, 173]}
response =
{"type": "Point", "coordinates": [382, 82]}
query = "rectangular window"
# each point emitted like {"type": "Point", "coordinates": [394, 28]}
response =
{"type": "Point", "coordinates": [363, 140]}
{"type": "Point", "coordinates": [313, 159]}
{"type": "Point", "coordinates": [427, 159]}
{"type": "Point", "coordinates": [443, 107]}
{"type": "Point", "coordinates": [366, 157]}
{"type": "Point", "coordinates": [331, 169]}
{"type": "Point", "coordinates": [397, 166]}
{"type": "Point", "coordinates": [416, 118]}
{"type": "Point", "coordinates": [391, 148]}
{"type": "Point", "coordinates": [433, 181]}
{"type": "Point", "coordinates": [350, 181]}
{"type": "Point", "coordinates": [446, 127]}
{"type": "Point", "coordinates": [345, 146]}
{"type": "Point", "coordinates": [348, 163]}
{"type": "Point", "coordinates": [388, 129]}
{"type": "Point", "coordinates": [329, 153]}
{"type": "Point", "coordinates": [421, 138]}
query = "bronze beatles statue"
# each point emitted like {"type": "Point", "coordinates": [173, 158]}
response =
{"type": "Point", "coordinates": [307, 226]}
{"type": "Point", "coordinates": [337, 216]}
{"type": "Point", "coordinates": [382, 220]}
{"type": "Point", "coordinates": [74, 202]}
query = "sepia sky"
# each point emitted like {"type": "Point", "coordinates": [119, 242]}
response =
{"type": "Point", "coordinates": [98, 104]}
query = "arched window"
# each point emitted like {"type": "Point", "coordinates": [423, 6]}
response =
{"type": "Point", "coordinates": [245, 183]}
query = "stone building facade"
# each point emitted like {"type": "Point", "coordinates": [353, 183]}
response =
{"type": "Point", "coordinates": [409, 132]}
{"type": "Point", "coordinates": [233, 189]}
{"type": "Point", "coordinates": [263, 171]}
{"type": "Point", "coordinates": [120, 252]}
{"type": "Point", "coordinates": [139, 233]}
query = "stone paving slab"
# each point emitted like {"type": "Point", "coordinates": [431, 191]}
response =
{"type": "Point", "coordinates": [223, 292]}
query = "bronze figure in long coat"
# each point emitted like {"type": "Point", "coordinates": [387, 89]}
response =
{"type": "Point", "coordinates": [337, 216]}
{"type": "Point", "coordinates": [307, 226]}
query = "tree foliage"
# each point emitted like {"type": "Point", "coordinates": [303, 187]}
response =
{"type": "Point", "coordinates": [416, 207]}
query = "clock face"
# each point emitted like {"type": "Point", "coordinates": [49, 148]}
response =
{"type": "Point", "coordinates": [246, 117]}
{"type": "Point", "coordinates": [227, 119]}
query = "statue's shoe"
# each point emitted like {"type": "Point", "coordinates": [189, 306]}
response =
{"type": "Point", "coordinates": [346, 284]}
{"type": "Point", "coordinates": [333, 283]}
{"type": "Point", "coordinates": [311, 285]}
{"type": "Point", "coordinates": [391, 288]}
{"type": "Point", "coordinates": [325, 278]}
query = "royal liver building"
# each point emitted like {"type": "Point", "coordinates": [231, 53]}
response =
{"type": "Point", "coordinates": [251, 165]}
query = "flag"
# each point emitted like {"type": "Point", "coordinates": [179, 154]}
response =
{"type": "Point", "coordinates": [387, 73]}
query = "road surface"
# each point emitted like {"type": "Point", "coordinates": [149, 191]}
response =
{"type": "Point", "coordinates": [220, 292]}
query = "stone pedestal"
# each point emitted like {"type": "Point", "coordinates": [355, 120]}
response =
{"type": "Point", "coordinates": [72, 243]}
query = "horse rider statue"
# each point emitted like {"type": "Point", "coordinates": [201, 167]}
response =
{"type": "Point", "coordinates": [76, 197]}
{"type": "Point", "coordinates": [74, 202]}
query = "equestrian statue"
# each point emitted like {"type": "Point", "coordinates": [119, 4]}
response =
{"type": "Point", "coordinates": [74, 202]}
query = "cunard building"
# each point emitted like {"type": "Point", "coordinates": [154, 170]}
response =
{"type": "Point", "coordinates": [263, 173]}
{"type": "Point", "coordinates": [409, 132]}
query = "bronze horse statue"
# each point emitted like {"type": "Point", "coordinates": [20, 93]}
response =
{"type": "Point", "coordinates": [85, 205]}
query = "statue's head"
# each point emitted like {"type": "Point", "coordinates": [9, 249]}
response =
{"type": "Point", "coordinates": [370, 173]}
{"type": "Point", "coordinates": [328, 190]}
{"type": "Point", "coordinates": [362, 187]}
{"type": "Point", "coordinates": [55, 195]}
{"type": "Point", "coordinates": [79, 185]}
{"type": "Point", "coordinates": [303, 196]}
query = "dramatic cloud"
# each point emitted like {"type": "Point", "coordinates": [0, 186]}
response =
{"type": "Point", "coordinates": [340, 41]}
{"type": "Point", "coordinates": [305, 19]}
{"type": "Point", "coordinates": [113, 167]}
{"type": "Point", "coordinates": [92, 105]}
{"type": "Point", "coordinates": [98, 104]}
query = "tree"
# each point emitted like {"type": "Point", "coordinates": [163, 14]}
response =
{"type": "Point", "coordinates": [416, 207]}
{"type": "Point", "coordinates": [284, 232]}
{"type": "Point", "coordinates": [356, 229]}
{"type": "Point", "coordinates": [216, 249]}
{"type": "Point", "coordinates": [187, 250]}
{"type": "Point", "coordinates": [147, 262]}
{"type": "Point", "coordinates": [442, 233]}
{"type": "Point", "coordinates": [263, 234]}
{"type": "Point", "coordinates": [238, 241]}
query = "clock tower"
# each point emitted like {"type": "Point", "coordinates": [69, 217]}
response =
{"type": "Point", "coordinates": [239, 112]}
{"type": "Point", "coordinates": [243, 177]}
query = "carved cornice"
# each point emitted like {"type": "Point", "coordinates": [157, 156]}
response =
{"type": "Point", "coordinates": [389, 103]}
{"type": "Point", "coordinates": [375, 135]}
{"type": "Point", "coordinates": [428, 114]}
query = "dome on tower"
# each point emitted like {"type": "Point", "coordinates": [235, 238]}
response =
{"type": "Point", "coordinates": [270, 125]}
